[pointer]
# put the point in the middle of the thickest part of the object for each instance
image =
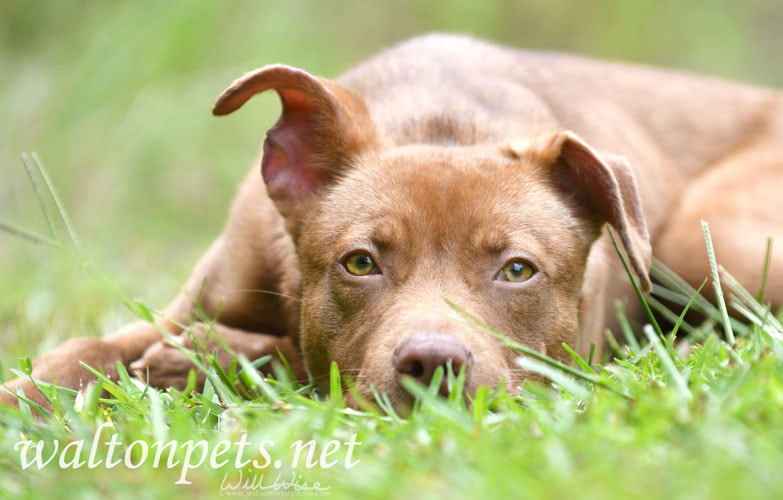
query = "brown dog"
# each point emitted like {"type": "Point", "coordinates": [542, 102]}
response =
{"type": "Point", "coordinates": [444, 167]}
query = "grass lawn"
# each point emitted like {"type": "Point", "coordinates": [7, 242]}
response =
{"type": "Point", "coordinates": [115, 100]}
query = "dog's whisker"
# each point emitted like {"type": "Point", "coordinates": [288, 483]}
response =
{"type": "Point", "coordinates": [267, 292]}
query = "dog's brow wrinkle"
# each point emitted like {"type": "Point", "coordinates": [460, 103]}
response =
{"type": "Point", "coordinates": [493, 241]}
{"type": "Point", "coordinates": [387, 233]}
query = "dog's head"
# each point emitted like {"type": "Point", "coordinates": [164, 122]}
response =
{"type": "Point", "coordinates": [385, 234]}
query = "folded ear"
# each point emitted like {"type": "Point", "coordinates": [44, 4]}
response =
{"type": "Point", "coordinates": [604, 186]}
{"type": "Point", "coordinates": [322, 126]}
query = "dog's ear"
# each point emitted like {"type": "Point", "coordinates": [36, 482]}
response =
{"type": "Point", "coordinates": [322, 127]}
{"type": "Point", "coordinates": [603, 185]}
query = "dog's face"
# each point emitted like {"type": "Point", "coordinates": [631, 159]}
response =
{"type": "Point", "coordinates": [405, 229]}
{"type": "Point", "coordinates": [386, 235]}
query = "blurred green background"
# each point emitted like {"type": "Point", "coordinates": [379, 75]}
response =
{"type": "Point", "coordinates": [115, 98]}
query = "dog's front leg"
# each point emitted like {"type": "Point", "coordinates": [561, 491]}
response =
{"type": "Point", "coordinates": [62, 365]}
{"type": "Point", "coordinates": [165, 365]}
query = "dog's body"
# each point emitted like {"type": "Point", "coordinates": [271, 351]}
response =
{"type": "Point", "coordinates": [441, 168]}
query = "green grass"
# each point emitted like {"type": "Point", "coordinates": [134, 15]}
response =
{"type": "Point", "coordinates": [115, 99]}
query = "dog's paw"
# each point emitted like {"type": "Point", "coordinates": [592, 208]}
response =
{"type": "Point", "coordinates": [164, 364]}
{"type": "Point", "coordinates": [63, 366]}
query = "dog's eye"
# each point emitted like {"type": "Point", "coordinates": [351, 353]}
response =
{"type": "Point", "coordinates": [516, 271]}
{"type": "Point", "coordinates": [360, 264]}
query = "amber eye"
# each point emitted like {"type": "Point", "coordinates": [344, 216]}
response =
{"type": "Point", "coordinates": [516, 272]}
{"type": "Point", "coordinates": [360, 264]}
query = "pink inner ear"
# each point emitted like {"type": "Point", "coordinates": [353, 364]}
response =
{"type": "Point", "coordinates": [562, 189]}
{"type": "Point", "coordinates": [290, 167]}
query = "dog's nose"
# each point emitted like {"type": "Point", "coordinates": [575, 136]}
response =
{"type": "Point", "coordinates": [420, 354]}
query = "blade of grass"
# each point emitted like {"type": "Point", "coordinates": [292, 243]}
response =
{"type": "Point", "coordinates": [636, 288]}
{"type": "Point", "coordinates": [225, 378]}
{"type": "Point", "coordinates": [335, 386]}
{"type": "Point", "coordinates": [672, 287]}
{"type": "Point", "coordinates": [709, 311]}
{"type": "Point", "coordinates": [191, 383]}
{"type": "Point", "coordinates": [618, 351]}
{"type": "Point", "coordinates": [60, 208]}
{"type": "Point", "coordinates": [287, 369]}
{"type": "Point", "coordinates": [765, 271]}
{"type": "Point", "coordinates": [28, 403]}
{"type": "Point", "coordinates": [763, 324]}
{"type": "Point", "coordinates": [26, 235]}
{"type": "Point", "coordinates": [435, 403]}
{"type": "Point", "coordinates": [259, 381]}
{"type": "Point", "coordinates": [358, 398]}
{"type": "Point", "coordinates": [741, 295]}
{"type": "Point", "coordinates": [668, 314]}
{"type": "Point", "coordinates": [564, 382]}
{"type": "Point", "coordinates": [437, 378]}
{"type": "Point", "coordinates": [92, 397]}
{"type": "Point", "coordinates": [456, 385]}
{"type": "Point", "coordinates": [625, 326]}
{"type": "Point", "coordinates": [39, 194]}
{"type": "Point", "coordinates": [668, 363]}
{"type": "Point", "coordinates": [480, 403]}
{"type": "Point", "coordinates": [46, 389]}
{"type": "Point", "coordinates": [124, 378]}
{"type": "Point", "coordinates": [716, 284]}
{"type": "Point", "coordinates": [584, 365]}
{"type": "Point", "coordinates": [680, 320]}
{"type": "Point", "coordinates": [156, 416]}
{"type": "Point", "coordinates": [383, 402]}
